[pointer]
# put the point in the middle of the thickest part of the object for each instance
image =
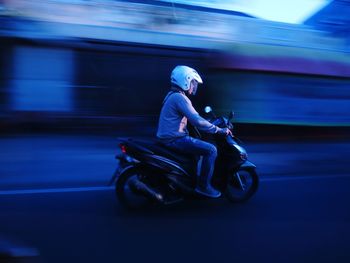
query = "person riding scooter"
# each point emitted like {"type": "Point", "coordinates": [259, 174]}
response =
{"type": "Point", "coordinates": [172, 131]}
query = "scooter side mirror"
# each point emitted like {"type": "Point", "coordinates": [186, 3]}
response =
{"type": "Point", "coordinates": [208, 109]}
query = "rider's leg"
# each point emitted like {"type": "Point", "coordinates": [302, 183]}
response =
{"type": "Point", "coordinates": [208, 152]}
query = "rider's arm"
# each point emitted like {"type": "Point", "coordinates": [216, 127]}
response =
{"type": "Point", "coordinates": [184, 105]}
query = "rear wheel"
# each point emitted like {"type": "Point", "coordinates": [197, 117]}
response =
{"type": "Point", "coordinates": [242, 185]}
{"type": "Point", "coordinates": [126, 193]}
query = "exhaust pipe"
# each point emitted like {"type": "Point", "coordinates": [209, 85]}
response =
{"type": "Point", "coordinates": [173, 179]}
{"type": "Point", "coordinates": [136, 185]}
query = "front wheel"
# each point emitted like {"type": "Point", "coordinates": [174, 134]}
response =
{"type": "Point", "coordinates": [242, 185]}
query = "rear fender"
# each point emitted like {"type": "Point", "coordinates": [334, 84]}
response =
{"type": "Point", "coordinates": [120, 169]}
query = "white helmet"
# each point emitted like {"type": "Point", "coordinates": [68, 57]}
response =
{"type": "Point", "coordinates": [183, 75]}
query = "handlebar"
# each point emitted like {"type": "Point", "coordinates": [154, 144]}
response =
{"type": "Point", "coordinates": [230, 140]}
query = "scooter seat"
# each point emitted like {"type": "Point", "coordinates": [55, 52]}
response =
{"type": "Point", "coordinates": [157, 148]}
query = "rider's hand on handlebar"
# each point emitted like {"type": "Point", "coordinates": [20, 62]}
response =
{"type": "Point", "coordinates": [225, 131]}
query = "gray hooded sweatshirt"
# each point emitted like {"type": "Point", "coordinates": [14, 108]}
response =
{"type": "Point", "coordinates": [177, 109]}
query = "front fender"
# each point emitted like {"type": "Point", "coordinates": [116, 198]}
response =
{"type": "Point", "coordinates": [247, 165]}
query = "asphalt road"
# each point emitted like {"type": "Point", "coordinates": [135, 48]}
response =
{"type": "Point", "coordinates": [61, 161]}
{"type": "Point", "coordinates": [304, 220]}
{"type": "Point", "coordinates": [54, 199]}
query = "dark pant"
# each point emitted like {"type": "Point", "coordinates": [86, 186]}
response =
{"type": "Point", "coordinates": [194, 146]}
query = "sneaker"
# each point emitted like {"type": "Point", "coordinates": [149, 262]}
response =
{"type": "Point", "coordinates": [208, 191]}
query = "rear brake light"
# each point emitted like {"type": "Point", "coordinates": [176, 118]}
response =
{"type": "Point", "coordinates": [123, 148]}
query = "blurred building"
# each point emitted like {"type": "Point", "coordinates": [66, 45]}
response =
{"type": "Point", "coordinates": [333, 19]}
{"type": "Point", "coordinates": [107, 60]}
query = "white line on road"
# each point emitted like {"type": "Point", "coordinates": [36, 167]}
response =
{"type": "Point", "coordinates": [110, 188]}
{"type": "Point", "coordinates": [296, 177]}
{"type": "Point", "coordinates": [56, 190]}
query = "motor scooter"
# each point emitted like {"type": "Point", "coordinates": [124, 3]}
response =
{"type": "Point", "coordinates": [149, 172]}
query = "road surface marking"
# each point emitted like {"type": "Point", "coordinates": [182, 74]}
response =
{"type": "Point", "coordinates": [295, 178]}
{"type": "Point", "coordinates": [111, 188]}
{"type": "Point", "coordinates": [56, 190]}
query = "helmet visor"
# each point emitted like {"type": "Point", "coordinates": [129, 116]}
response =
{"type": "Point", "coordinates": [194, 85]}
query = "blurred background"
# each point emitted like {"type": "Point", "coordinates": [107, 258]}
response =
{"type": "Point", "coordinates": [104, 65]}
{"type": "Point", "coordinates": [77, 74]}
